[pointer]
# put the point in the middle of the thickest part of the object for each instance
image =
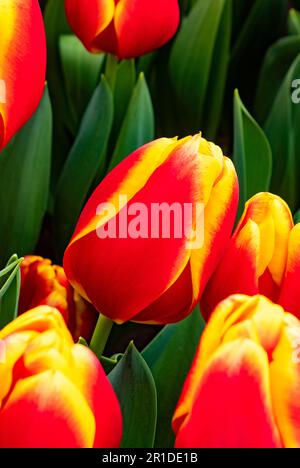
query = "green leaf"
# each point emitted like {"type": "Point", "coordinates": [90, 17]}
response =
{"type": "Point", "coordinates": [85, 160]}
{"type": "Point", "coordinates": [135, 389]}
{"type": "Point", "coordinates": [123, 88]}
{"type": "Point", "coordinates": [198, 65]}
{"type": "Point", "coordinates": [25, 173]}
{"type": "Point", "coordinates": [56, 25]}
{"type": "Point", "coordinates": [252, 154]}
{"type": "Point", "coordinates": [282, 131]}
{"type": "Point", "coordinates": [169, 357]}
{"type": "Point", "coordinates": [138, 125]}
{"type": "Point", "coordinates": [277, 62]}
{"type": "Point", "coordinates": [108, 364]}
{"type": "Point", "coordinates": [10, 290]}
{"type": "Point", "coordinates": [294, 22]}
{"type": "Point", "coordinates": [297, 217]}
{"type": "Point", "coordinates": [81, 71]}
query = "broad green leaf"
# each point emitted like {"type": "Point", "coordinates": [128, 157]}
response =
{"type": "Point", "coordinates": [81, 71]}
{"type": "Point", "coordinates": [9, 291]}
{"type": "Point", "coordinates": [252, 154]}
{"type": "Point", "coordinates": [199, 57]}
{"type": "Point", "coordinates": [85, 160]}
{"type": "Point", "coordinates": [277, 62]}
{"type": "Point", "coordinates": [138, 126]}
{"type": "Point", "coordinates": [294, 22]}
{"type": "Point", "coordinates": [169, 357]}
{"type": "Point", "coordinates": [135, 389]}
{"type": "Point", "coordinates": [123, 88]}
{"type": "Point", "coordinates": [282, 128]}
{"type": "Point", "coordinates": [56, 25]}
{"type": "Point", "coordinates": [217, 82]}
{"type": "Point", "coordinates": [25, 173]}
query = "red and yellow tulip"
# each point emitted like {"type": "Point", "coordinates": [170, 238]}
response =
{"type": "Point", "coordinates": [125, 28]}
{"type": "Point", "coordinates": [243, 390]}
{"type": "Point", "coordinates": [53, 393]}
{"type": "Point", "coordinates": [43, 283]}
{"type": "Point", "coordinates": [22, 64]}
{"type": "Point", "coordinates": [146, 278]}
{"type": "Point", "coordinates": [262, 257]}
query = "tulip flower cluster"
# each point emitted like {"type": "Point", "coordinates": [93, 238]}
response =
{"type": "Point", "coordinates": [156, 249]}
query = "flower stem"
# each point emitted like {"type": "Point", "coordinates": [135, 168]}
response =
{"type": "Point", "coordinates": [101, 334]}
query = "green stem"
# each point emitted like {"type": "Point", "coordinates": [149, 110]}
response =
{"type": "Point", "coordinates": [101, 334]}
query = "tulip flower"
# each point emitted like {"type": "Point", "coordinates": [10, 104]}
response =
{"type": "Point", "coordinates": [124, 257]}
{"type": "Point", "coordinates": [53, 393]}
{"type": "Point", "coordinates": [45, 284]}
{"type": "Point", "coordinates": [243, 390]}
{"type": "Point", "coordinates": [124, 28]}
{"type": "Point", "coordinates": [263, 257]}
{"type": "Point", "coordinates": [22, 64]}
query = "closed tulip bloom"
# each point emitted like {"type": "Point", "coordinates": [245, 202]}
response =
{"type": "Point", "coordinates": [262, 257]}
{"type": "Point", "coordinates": [125, 28]}
{"type": "Point", "coordinates": [243, 390]}
{"type": "Point", "coordinates": [22, 64]}
{"type": "Point", "coordinates": [43, 283]}
{"type": "Point", "coordinates": [152, 274]}
{"type": "Point", "coordinates": [53, 393]}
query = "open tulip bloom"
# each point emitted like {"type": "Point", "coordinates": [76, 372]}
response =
{"type": "Point", "coordinates": [149, 225]}
{"type": "Point", "coordinates": [243, 388]}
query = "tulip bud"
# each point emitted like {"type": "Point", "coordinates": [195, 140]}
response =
{"type": "Point", "coordinates": [243, 388]}
{"type": "Point", "coordinates": [22, 64]}
{"type": "Point", "coordinates": [45, 284]}
{"type": "Point", "coordinates": [121, 27]}
{"type": "Point", "coordinates": [261, 256]}
{"type": "Point", "coordinates": [154, 230]}
{"type": "Point", "coordinates": [53, 393]}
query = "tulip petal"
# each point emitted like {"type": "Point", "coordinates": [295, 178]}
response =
{"type": "Point", "coordinates": [219, 216]}
{"type": "Point", "coordinates": [46, 411]}
{"type": "Point", "coordinates": [39, 320]}
{"type": "Point", "coordinates": [285, 383]}
{"type": "Point", "coordinates": [162, 310]}
{"type": "Point", "coordinates": [144, 26]}
{"type": "Point", "coordinates": [22, 64]}
{"type": "Point", "coordinates": [233, 407]}
{"type": "Point", "coordinates": [138, 168]}
{"type": "Point", "coordinates": [139, 27]}
{"type": "Point", "coordinates": [88, 18]}
{"type": "Point", "coordinates": [290, 291]}
{"type": "Point", "coordinates": [239, 264]}
{"type": "Point", "coordinates": [106, 409]}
